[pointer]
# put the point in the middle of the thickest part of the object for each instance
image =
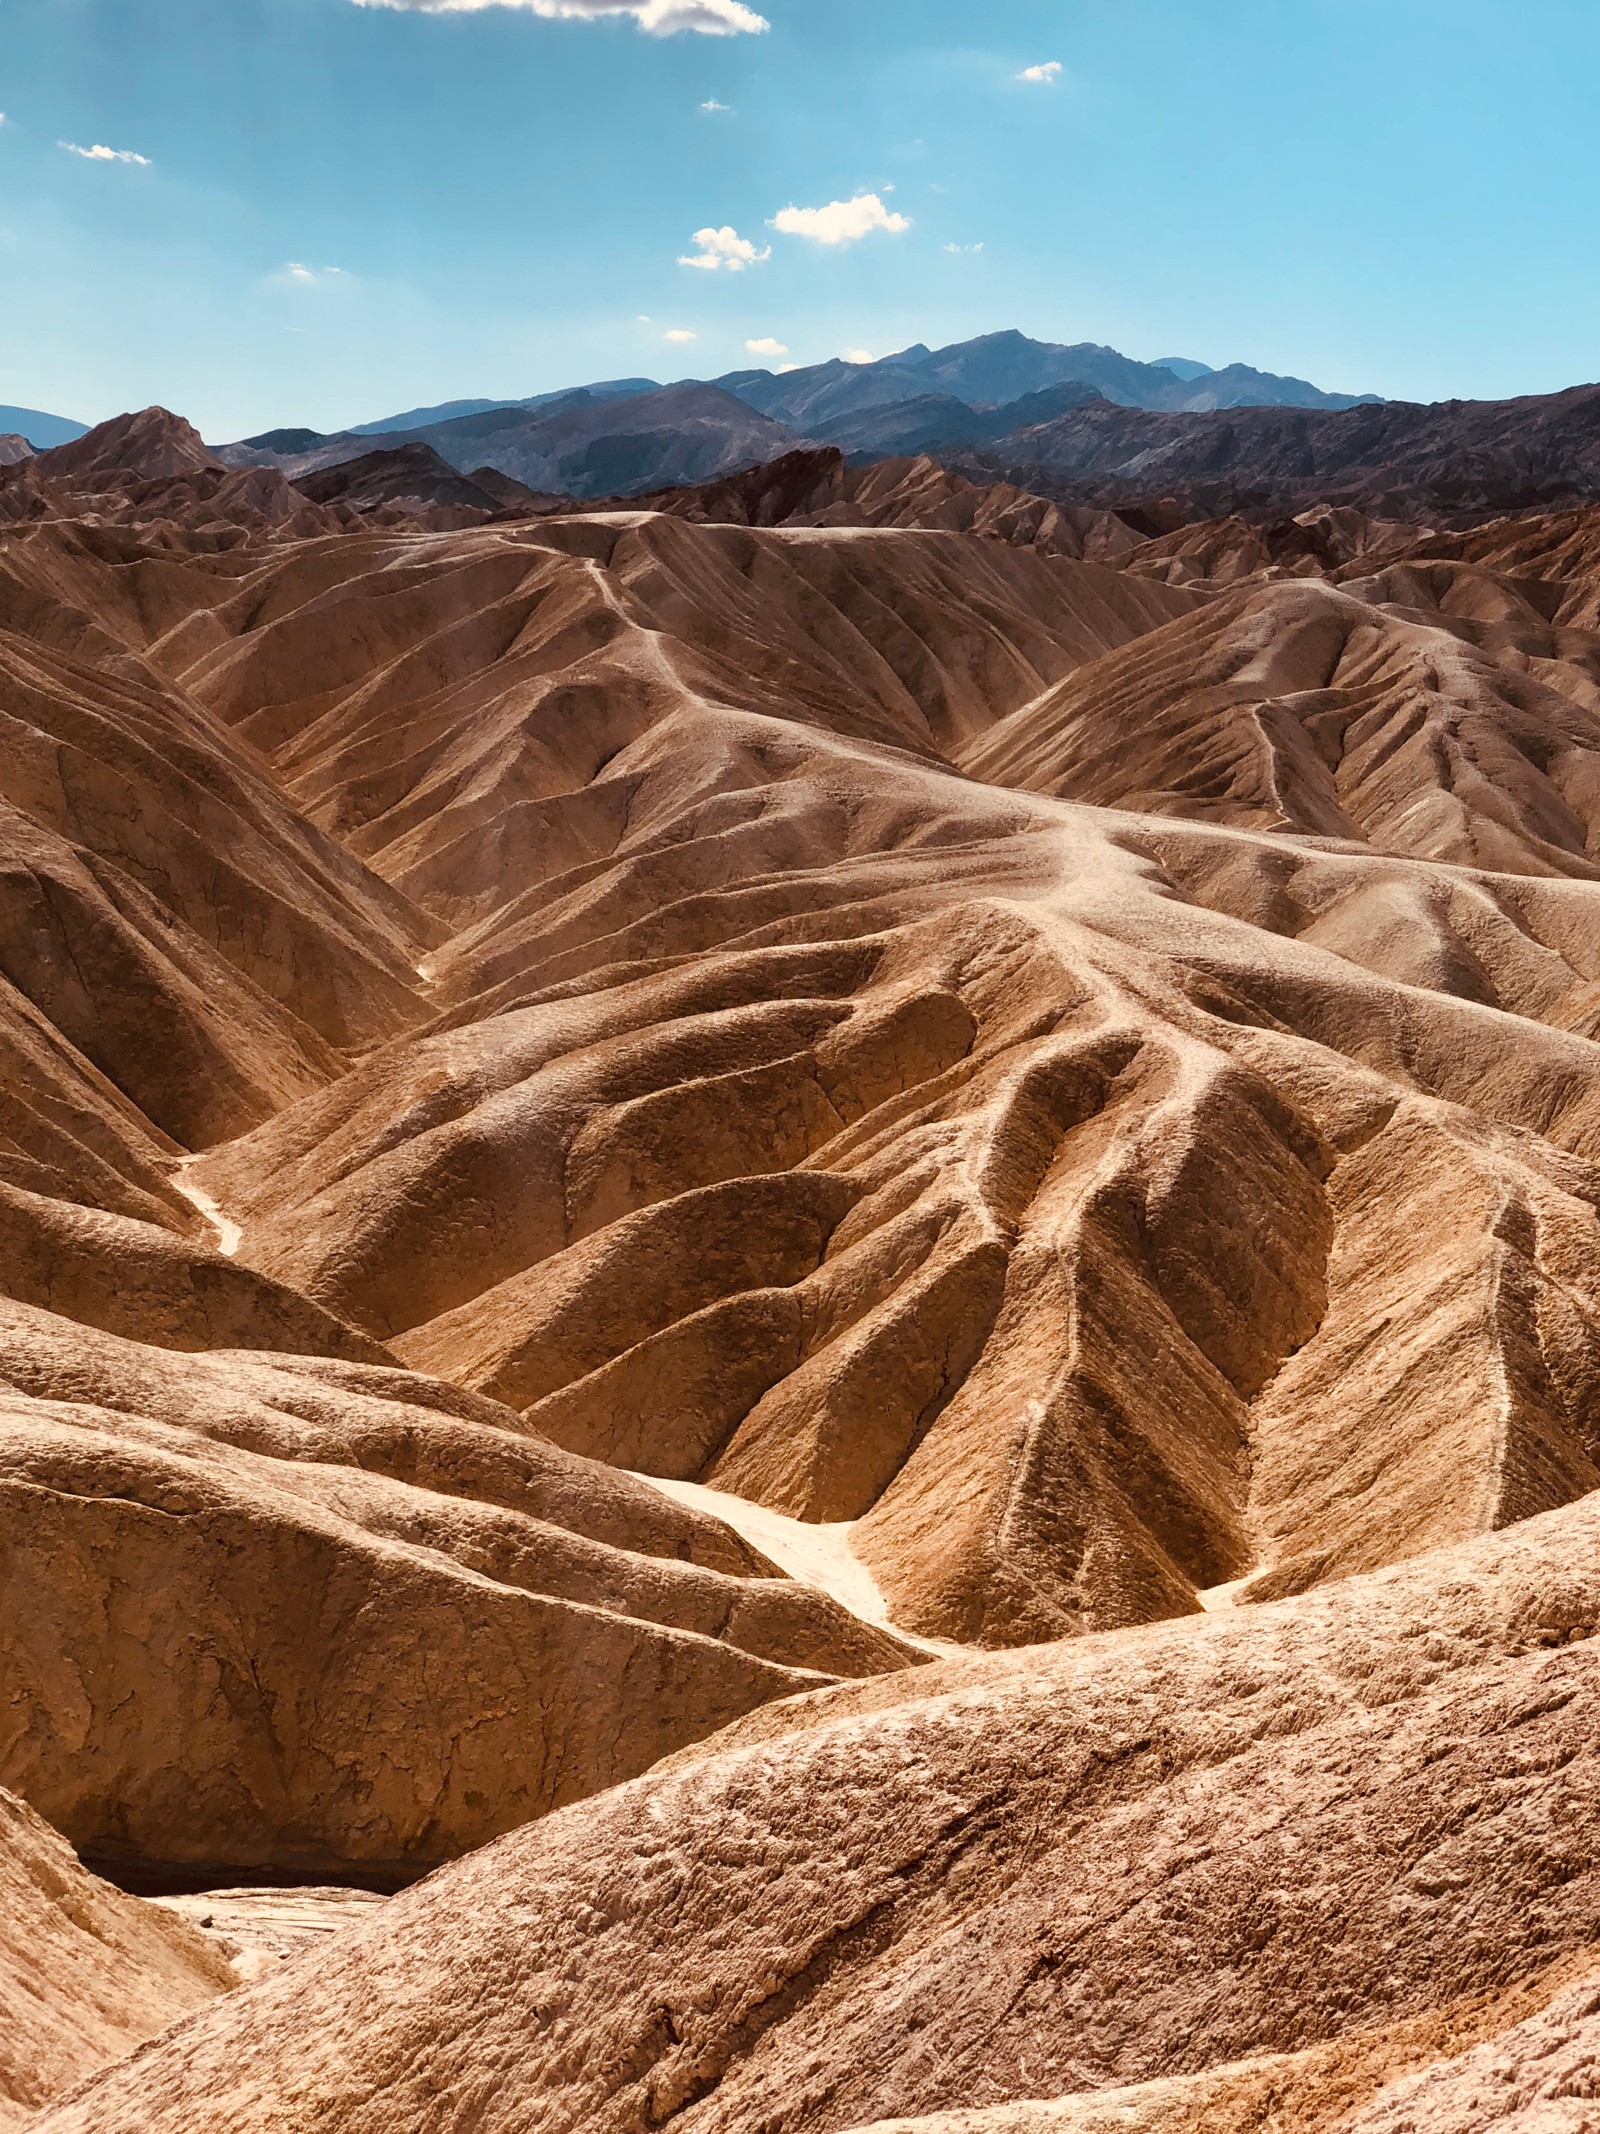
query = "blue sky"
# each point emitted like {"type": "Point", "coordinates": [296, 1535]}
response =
{"type": "Point", "coordinates": [1391, 195]}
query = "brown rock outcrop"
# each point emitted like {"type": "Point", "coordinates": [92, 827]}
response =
{"type": "Point", "coordinates": [1455, 461]}
{"type": "Point", "coordinates": [815, 487]}
{"type": "Point", "coordinates": [1490, 2059]}
{"type": "Point", "coordinates": [802, 1118]}
{"type": "Point", "coordinates": [415, 479]}
{"type": "Point", "coordinates": [277, 1611]}
{"type": "Point", "coordinates": [86, 1974]}
{"type": "Point", "coordinates": [143, 1281]}
{"type": "Point", "coordinates": [1075, 1072]}
{"type": "Point", "coordinates": [1430, 710]}
{"type": "Point", "coordinates": [152, 471]}
{"type": "Point", "coordinates": [1078, 1868]}
{"type": "Point", "coordinates": [151, 444]}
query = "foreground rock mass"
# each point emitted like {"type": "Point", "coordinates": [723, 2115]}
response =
{"type": "Point", "coordinates": [264, 1610]}
{"type": "Point", "coordinates": [1360, 1816]}
{"type": "Point", "coordinates": [86, 1973]}
{"type": "Point", "coordinates": [1064, 1058]}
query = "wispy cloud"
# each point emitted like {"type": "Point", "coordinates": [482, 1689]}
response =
{"type": "Point", "coordinates": [1048, 70]}
{"type": "Point", "coordinates": [710, 104]}
{"type": "Point", "coordinates": [679, 333]}
{"type": "Point", "coordinates": [101, 154]}
{"type": "Point", "coordinates": [724, 250]}
{"type": "Point", "coordinates": [766, 346]}
{"type": "Point", "coordinates": [841, 222]}
{"type": "Point", "coordinates": [959, 250]}
{"type": "Point", "coordinates": [658, 18]}
{"type": "Point", "coordinates": [297, 271]}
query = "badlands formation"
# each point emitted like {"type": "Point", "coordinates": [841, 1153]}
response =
{"type": "Point", "coordinates": [825, 1254]}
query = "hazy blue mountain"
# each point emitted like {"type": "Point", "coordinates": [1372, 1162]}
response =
{"type": "Point", "coordinates": [1238, 386]}
{"type": "Point", "coordinates": [829, 400]}
{"type": "Point", "coordinates": [459, 410]}
{"type": "Point", "coordinates": [986, 372]}
{"type": "Point", "coordinates": [998, 367]}
{"type": "Point", "coordinates": [822, 394]}
{"type": "Point", "coordinates": [42, 431]}
{"type": "Point", "coordinates": [290, 440]}
{"type": "Point", "coordinates": [938, 422]}
{"type": "Point", "coordinates": [627, 435]}
{"type": "Point", "coordinates": [575, 444]}
{"type": "Point", "coordinates": [833, 402]}
{"type": "Point", "coordinates": [588, 446]}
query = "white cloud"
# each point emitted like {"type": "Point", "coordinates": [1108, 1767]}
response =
{"type": "Point", "coordinates": [658, 18]}
{"type": "Point", "coordinates": [101, 154]}
{"type": "Point", "coordinates": [766, 346]}
{"type": "Point", "coordinates": [296, 270]}
{"type": "Point", "coordinates": [724, 249]}
{"type": "Point", "coordinates": [959, 249]}
{"type": "Point", "coordinates": [841, 222]}
{"type": "Point", "coordinates": [710, 104]}
{"type": "Point", "coordinates": [1048, 70]}
{"type": "Point", "coordinates": [679, 333]}
{"type": "Point", "coordinates": [857, 355]}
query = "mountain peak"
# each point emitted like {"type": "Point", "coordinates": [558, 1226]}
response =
{"type": "Point", "coordinates": [152, 444]}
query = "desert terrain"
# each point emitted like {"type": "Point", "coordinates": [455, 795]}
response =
{"type": "Point", "coordinates": [799, 1291]}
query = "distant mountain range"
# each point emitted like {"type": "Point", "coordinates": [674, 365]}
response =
{"type": "Point", "coordinates": [998, 368]}
{"type": "Point", "coordinates": [453, 410]}
{"type": "Point", "coordinates": [622, 436]}
{"type": "Point", "coordinates": [627, 436]}
{"type": "Point", "coordinates": [1080, 466]}
{"type": "Point", "coordinates": [1452, 461]}
{"type": "Point", "coordinates": [577, 445]}
{"type": "Point", "coordinates": [1000, 409]}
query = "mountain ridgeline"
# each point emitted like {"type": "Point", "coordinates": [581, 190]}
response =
{"type": "Point", "coordinates": [630, 435]}
{"type": "Point", "coordinates": [1080, 427]}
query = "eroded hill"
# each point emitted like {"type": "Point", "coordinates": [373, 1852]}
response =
{"type": "Point", "coordinates": [1059, 1064]}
